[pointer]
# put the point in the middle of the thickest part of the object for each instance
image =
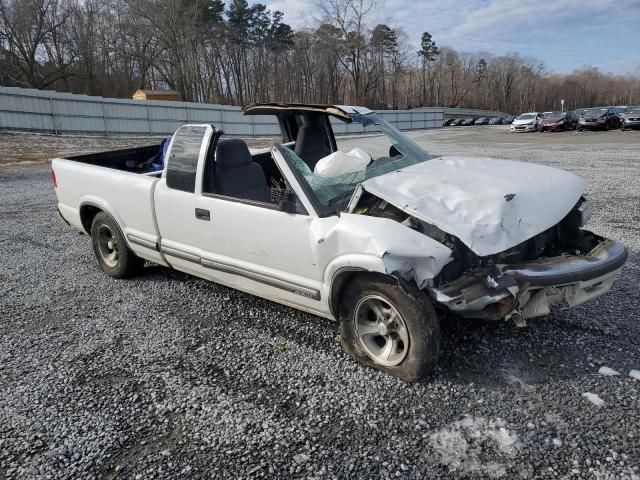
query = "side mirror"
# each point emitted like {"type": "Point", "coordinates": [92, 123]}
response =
{"type": "Point", "coordinates": [287, 203]}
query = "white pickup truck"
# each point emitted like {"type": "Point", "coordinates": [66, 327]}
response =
{"type": "Point", "coordinates": [370, 231]}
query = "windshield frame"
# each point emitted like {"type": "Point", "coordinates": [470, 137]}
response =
{"type": "Point", "coordinates": [342, 200]}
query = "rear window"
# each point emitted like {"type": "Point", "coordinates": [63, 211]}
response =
{"type": "Point", "coordinates": [183, 158]}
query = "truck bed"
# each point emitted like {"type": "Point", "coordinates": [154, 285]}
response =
{"type": "Point", "coordinates": [135, 160]}
{"type": "Point", "coordinates": [119, 182]}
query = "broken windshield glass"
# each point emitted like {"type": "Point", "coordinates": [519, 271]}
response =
{"type": "Point", "coordinates": [388, 148]}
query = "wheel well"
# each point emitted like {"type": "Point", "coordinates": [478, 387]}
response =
{"type": "Point", "coordinates": [344, 276]}
{"type": "Point", "coordinates": [87, 214]}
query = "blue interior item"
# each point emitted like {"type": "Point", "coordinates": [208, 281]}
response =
{"type": "Point", "coordinates": [158, 160]}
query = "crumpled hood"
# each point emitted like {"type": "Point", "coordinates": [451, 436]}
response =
{"type": "Point", "coordinates": [490, 205]}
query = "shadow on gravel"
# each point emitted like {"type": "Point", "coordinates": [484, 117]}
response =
{"type": "Point", "coordinates": [492, 354]}
{"type": "Point", "coordinates": [496, 354]}
{"type": "Point", "coordinates": [559, 346]}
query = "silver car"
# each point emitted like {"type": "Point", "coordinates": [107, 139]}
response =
{"type": "Point", "coordinates": [631, 118]}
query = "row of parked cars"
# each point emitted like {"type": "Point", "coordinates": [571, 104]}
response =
{"type": "Point", "coordinates": [597, 118]}
{"type": "Point", "coordinates": [466, 122]}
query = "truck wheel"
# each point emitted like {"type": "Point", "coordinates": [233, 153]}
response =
{"type": "Point", "coordinates": [388, 327]}
{"type": "Point", "coordinates": [114, 256]}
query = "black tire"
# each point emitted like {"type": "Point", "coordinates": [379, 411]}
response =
{"type": "Point", "coordinates": [107, 239]}
{"type": "Point", "coordinates": [415, 311]}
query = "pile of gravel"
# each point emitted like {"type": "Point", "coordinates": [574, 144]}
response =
{"type": "Point", "coordinates": [170, 376]}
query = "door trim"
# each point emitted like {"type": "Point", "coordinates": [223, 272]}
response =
{"type": "Point", "coordinates": [142, 241]}
{"type": "Point", "coordinates": [260, 277]}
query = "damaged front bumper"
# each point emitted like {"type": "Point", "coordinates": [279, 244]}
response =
{"type": "Point", "coordinates": [528, 289]}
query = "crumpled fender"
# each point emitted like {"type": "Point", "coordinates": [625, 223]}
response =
{"type": "Point", "coordinates": [376, 244]}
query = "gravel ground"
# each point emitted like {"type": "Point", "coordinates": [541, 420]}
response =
{"type": "Point", "coordinates": [170, 376]}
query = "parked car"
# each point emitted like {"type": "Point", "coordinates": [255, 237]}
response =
{"type": "Point", "coordinates": [495, 121]}
{"type": "Point", "coordinates": [467, 122]}
{"type": "Point", "coordinates": [457, 122]}
{"type": "Point", "coordinates": [507, 120]}
{"type": "Point", "coordinates": [554, 121]}
{"type": "Point", "coordinates": [527, 122]}
{"type": "Point", "coordinates": [482, 121]}
{"type": "Point", "coordinates": [600, 118]}
{"type": "Point", "coordinates": [631, 118]}
{"type": "Point", "coordinates": [571, 120]}
{"type": "Point", "coordinates": [378, 235]}
{"type": "Point", "coordinates": [621, 110]}
{"type": "Point", "coordinates": [448, 122]}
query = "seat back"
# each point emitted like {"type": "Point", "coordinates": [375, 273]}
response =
{"type": "Point", "coordinates": [311, 142]}
{"type": "Point", "coordinates": [236, 173]}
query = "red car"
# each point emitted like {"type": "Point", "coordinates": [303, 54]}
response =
{"type": "Point", "coordinates": [555, 121]}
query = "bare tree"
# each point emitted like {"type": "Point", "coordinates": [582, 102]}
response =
{"type": "Point", "coordinates": [350, 18]}
{"type": "Point", "coordinates": [236, 52]}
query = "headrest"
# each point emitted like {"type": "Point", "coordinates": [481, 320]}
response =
{"type": "Point", "coordinates": [232, 153]}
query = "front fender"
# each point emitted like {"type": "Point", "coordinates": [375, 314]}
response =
{"type": "Point", "coordinates": [373, 244]}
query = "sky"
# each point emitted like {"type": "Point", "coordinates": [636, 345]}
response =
{"type": "Point", "coordinates": [564, 34]}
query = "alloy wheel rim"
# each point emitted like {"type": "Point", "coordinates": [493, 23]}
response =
{"type": "Point", "coordinates": [381, 330]}
{"type": "Point", "coordinates": [107, 246]}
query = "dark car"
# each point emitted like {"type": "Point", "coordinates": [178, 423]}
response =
{"type": "Point", "coordinates": [555, 121]}
{"type": "Point", "coordinates": [495, 121]}
{"type": "Point", "coordinates": [631, 118]}
{"type": "Point", "coordinates": [598, 118]}
{"type": "Point", "coordinates": [508, 120]}
{"type": "Point", "coordinates": [482, 121]}
{"type": "Point", "coordinates": [448, 123]}
{"type": "Point", "coordinates": [467, 122]}
{"type": "Point", "coordinates": [457, 122]}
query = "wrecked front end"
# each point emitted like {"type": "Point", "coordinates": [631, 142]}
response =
{"type": "Point", "coordinates": [564, 264]}
{"type": "Point", "coordinates": [528, 288]}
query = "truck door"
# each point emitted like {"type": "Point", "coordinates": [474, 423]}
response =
{"type": "Point", "coordinates": [175, 197]}
{"type": "Point", "coordinates": [248, 241]}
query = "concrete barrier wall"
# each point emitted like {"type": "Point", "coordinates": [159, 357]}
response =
{"type": "Point", "coordinates": [66, 113]}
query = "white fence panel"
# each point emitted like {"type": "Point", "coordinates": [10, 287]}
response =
{"type": "Point", "coordinates": [65, 113]}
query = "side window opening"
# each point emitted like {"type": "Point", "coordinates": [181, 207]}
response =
{"type": "Point", "coordinates": [236, 173]}
{"type": "Point", "coordinates": [183, 159]}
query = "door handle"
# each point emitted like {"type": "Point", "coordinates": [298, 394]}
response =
{"type": "Point", "coordinates": [202, 214]}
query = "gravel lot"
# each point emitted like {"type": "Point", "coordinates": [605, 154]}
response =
{"type": "Point", "coordinates": [169, 376]}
